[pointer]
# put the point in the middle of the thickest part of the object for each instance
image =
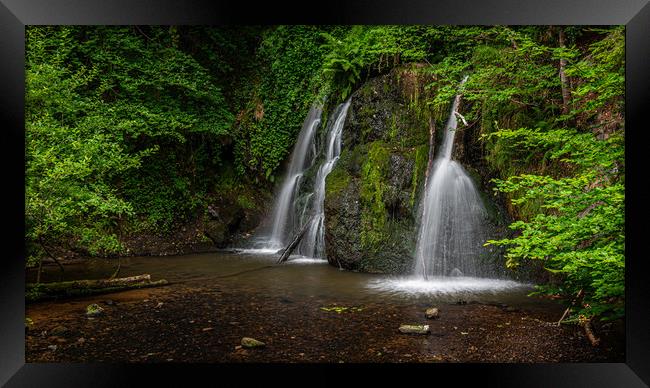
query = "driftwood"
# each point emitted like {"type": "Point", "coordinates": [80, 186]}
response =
{"type": "Point", "coordinates": [294, 243]}
{"type": "Point", "coordinates": [44, 291]}
{"type": "Point", "coordinates": [586, 325]}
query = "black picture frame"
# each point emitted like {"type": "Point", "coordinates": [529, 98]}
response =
{"type": "Point", "coordinates": [15, 14]}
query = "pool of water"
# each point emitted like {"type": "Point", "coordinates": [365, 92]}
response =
{"type": "Point", "coordinates": [301, 277]}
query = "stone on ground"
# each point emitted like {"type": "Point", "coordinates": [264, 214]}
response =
{"type": "Point", "coordinates": [248, 342]}
{"type": "Point", "coordinates": [432, 313]}
{"type": "Point", "coordinates": [414, 329]}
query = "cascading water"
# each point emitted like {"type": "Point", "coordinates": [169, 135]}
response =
{"type": "Point", "coordinates": [313, 243]}
{"type": "Point", "coordinates": [290, 213]}
{"type": "Point", "coordinates": [451, 234]}
{"type": "Point", "coordinates": [285, 219]}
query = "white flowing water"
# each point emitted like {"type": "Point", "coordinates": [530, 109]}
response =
{"type": "Point", "coordinates": [285, 220]}
{"type": "Point", "coordinates": [450, 239]}
{"type": "Point", "coordinates": [313, 243]}
{"type": "Point", "coordinates": [291, 212]}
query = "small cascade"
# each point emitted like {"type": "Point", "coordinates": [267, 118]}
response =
{"type": "Point", "coordinates": [285, 219]}
{"type": "Point", "coordinates": [451, 232]}
{"type": "Point", "coordinates": [313, 243]}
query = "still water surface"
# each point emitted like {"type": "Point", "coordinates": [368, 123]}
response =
{"type": "Point", "coordinates": [300, 277]}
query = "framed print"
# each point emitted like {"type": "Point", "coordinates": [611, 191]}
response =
{"type": "Point", "coordinates": [200, 189]}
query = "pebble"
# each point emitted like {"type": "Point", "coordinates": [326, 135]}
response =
{"type": "Point", "coordinates": [432, 313]}
{"type": "Point", "coordinates": [60, 330]}
{"type": "Point", "coordinates": [248, 342]}
{"type": "Point", "coordinates": [414, 329]}
{"type": "Point", "coordinates": [93, 310]}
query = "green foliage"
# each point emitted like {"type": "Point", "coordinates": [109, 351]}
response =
{"type": "Point", "coordinates": [101, 105]}
{"type": "Point", "coordinates": [289, 59]}
{"type": "Point", "coordinates": [570, 179]}
{"type": "Point", "coordinates": [580, 233]}
{"type": "Point", "coordinates": [367, 50]}
{"type": "Point", "coordinates": [603, 72]}
{"type": "Point", "coordinates": [245, 202]}
{"type": "Point", "coordinates": [71, 156]}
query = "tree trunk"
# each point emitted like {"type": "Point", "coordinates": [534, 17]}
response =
{"type": "Point", "coordinates": [51, 256]}
{"type": "Point", "coordinates": [566, 94]}
{"type": "Point", "coordinates": [40, 269]}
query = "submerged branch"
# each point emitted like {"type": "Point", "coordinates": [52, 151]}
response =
{"type": "Point", "coordinates": [287, 251]}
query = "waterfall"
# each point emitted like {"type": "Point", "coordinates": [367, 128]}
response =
{"type": "Point", "coordinates": [451, 235]}
{"type": "Point", "coordinates": [313, 243]}
{"type": "Point", "coordinates": [288, 215]}
{"type": "Point", "coordinates": [285, 219]}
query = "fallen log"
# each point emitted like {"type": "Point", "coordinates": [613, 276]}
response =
{"type": "Point", "coordinates": [57, 290]}
{"type": "Point", "coordinates": [294, 243]}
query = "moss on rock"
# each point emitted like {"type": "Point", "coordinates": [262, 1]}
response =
{"type": "Point", "coordinates": [373, 192]}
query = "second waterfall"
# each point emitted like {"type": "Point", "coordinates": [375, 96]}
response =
{"type": "Point", "coordinates": [451, 235]}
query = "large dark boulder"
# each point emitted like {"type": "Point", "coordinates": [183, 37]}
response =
{"type": "Point", "coordinates": [373, 192]}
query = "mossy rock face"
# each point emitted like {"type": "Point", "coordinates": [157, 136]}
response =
{"type": "Point", "coordinates": [373, 192]}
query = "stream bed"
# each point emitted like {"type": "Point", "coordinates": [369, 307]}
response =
{"type": "Point", "coordinates": [305, 311]}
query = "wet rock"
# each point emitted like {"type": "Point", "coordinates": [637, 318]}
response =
{"type": "Point", "coordinates": [248, 342]}
{"type": "Point", "coordinates": [94, 310]}
{"type": "Point", "coordinates": [432, 313]}
{"type": "Point", "coordinates": [217, 232]}
{"type": "Point", "coordinates": [52, 347]}
{"type": "Point", "coordinates": [414, 329]}
{"type": "Point", "coordinates": [109, 302]}
{"type": "Point", "coordinates": [372, 192]}
{"type": "Point", "coordinates": [60, 331]}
